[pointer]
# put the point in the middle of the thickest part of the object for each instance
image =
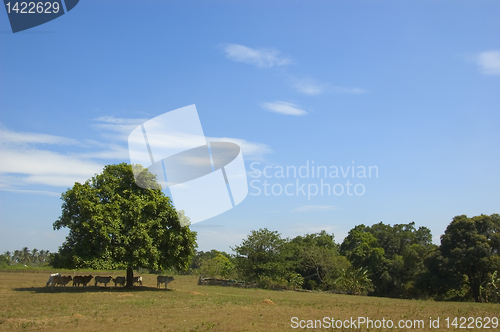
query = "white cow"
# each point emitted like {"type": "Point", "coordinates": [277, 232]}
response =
{"type": "Point", "coordinates": [138, 280]}
{"type": "Point", "coordinates": [52, 277]}
{"type": "Point", "coordinates": [163, 280]}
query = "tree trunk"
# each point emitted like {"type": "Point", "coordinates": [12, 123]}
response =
{"type": "Point", "coordinates": [130, 277]}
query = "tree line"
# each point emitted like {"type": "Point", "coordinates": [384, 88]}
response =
{"type": "Point", "coordinates": [25, 256]}
{"type": "Point", "coordinates": [397, 261]}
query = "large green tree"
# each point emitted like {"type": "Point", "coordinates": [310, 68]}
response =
{"type": "Point", "coordinates": [316, 258]}
{"type": "Point", "coordinates": [471, 249]}
{"type": "Point", "coordinates": [262, 254]}
{"type": "Point", "coordinates": [113, 223]}
{"type": "Point", "coordinates": [393, 255]}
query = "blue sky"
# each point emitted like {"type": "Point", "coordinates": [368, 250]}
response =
{"type": "Point", "coordinates": [410, 87]}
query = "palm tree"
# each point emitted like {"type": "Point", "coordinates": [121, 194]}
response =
{"type": "Point", "coordinates": [26, 255]}
{"type": "Point", "coordinates": [34, 256]}
{"type": "Point", "coordinates": [17, 256]}
{"type": "Point", "coordinates": [354, 281]}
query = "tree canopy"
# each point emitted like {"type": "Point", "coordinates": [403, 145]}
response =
{"type": "Point", "coordinates": [113, 223]}
{"type": "Point", "coordinates": [471, 248]}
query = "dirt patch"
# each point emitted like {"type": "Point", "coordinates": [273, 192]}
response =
{"type": "Point", "coordinates": [77, 316]}
{"type": "Point", "coordinates": [268, 301]}
{"type": "Point", "coordinates": [198, 293]}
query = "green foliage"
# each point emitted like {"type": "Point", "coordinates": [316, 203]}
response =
{"type": "Point", "coordinates": [490, 289]}
{"type": "Point", "coordinates": [113, 223]}
{"type": "Point", "coordinates": [217, 266]}
{"type": "Point", "coordinates": [352, 281]}
{"type": "Point", "coordinates": [4, 261]}
{"type": "Point", "coordinates": [392, 255]}
{"type": "Point", "coordinates": [316, 258]}
{"type": "Point", "coordinates": [470, 250]}
{"type": "Point", "coordinates": [262, 254]}
{"type": "Point", "coordinates": [201, 256]}
{"type": "Point", "coordinates": [27, 257]}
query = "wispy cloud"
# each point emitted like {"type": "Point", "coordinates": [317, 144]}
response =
{"type": "Point", "coordinates": [23, 163]}
{"type": "Point", "coordinates": [313, 87]}
{"type": "Point", "coordinates": [262, 58]}
{"type": "Point", "coordinates": [314, 208]}
{"type": "Point", "coordinates": [489, 62]}
{"type": "Point", "coordinates": [35, 192]}
{"type": "Point", "coordinates": [116, 128]}
{"type": "Point", "coordinates": [33, 166]}
{"type": "Point", "coordinates": [309, 86]}
{"type": "Point", "coordinates": [284, 107]}
{"type": "Point", "coordinates": [21, 138]}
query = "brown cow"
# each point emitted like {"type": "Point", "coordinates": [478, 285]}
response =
{"type": "Point", "coordinates": [60, 280]}
{"type": "Point", "coordinates": [102, 280]}
{"type": "Point", "coordinates": [120, 280]}
{"type": "Point", "coordinates": [81, 280]}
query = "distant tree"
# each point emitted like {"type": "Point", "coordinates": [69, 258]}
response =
{"type": "Point", "coordinates": [262, 254]}
{"type": "Point", "coordinates": [4, 260]}
{"type": "Point", "coordinates": [393, 255]}
{"type": "Point", "coordinates": [470, 248]}
{"type": "Point", "coordinates": [25, 256]}
{"type": "Point", "coordinates": [200, 256]}
{"type": "Point", "coordinates": [113, 223]}
{"type": "Point", "coordinates": [219, 265]}
{"type": "Point", "coordinates": [316, 258]}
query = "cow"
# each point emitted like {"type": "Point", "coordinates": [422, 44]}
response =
{"type": "Point", "coordinates": [50, 278]}
{"type": "Point", "coordinates": [163, 280]}
{"type": "Point", "coordinates": [120, 280]}
{"type": "Point", "coordinates": [60, 280]}
{"type": "Point", "coordinates": [77, 280]}
{"type": "Point", "coordinates": [102, 280]}
{"type": "Point", "coordinates": [138, 280]}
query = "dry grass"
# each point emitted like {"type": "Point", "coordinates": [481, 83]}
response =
{"type": "Point", "coordinates": [27, 305]}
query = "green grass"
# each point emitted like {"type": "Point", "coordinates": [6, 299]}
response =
{"type": "Point", "coordinates": [27, 305]}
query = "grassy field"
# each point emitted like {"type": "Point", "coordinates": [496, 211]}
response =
{"type": "Point", "coordinates": [27, 305]}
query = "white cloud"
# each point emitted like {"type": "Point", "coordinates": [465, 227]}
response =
{"type": "Point", "coordinates": [111, 151]}
{"type": "Point", "coordinates": [45, 167]}
{"type": "Point", "coordinates": [117, 129]}
{"type": "Point", "coordinates": [11, 137]}
{"type": "Point", "coordinates": [489, 62]}
{"type": "Point", "coordinates": [263, 58]}
{"type": "Point", "coordinates": [23, 165]}
{"type": "Point", "coordinates": [284, 107]}
{"type": "Point", "coordinates": [309, 86]}
{"type": "Point", "coordinates": [36, 192]}
{"type": "Point", "coordinates": [314, 208]}
{"type": "Point", "coordinates": [312, 87]}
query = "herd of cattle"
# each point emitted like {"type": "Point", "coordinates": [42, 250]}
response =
{"type": "Point", "coordinates": [57, 280]}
